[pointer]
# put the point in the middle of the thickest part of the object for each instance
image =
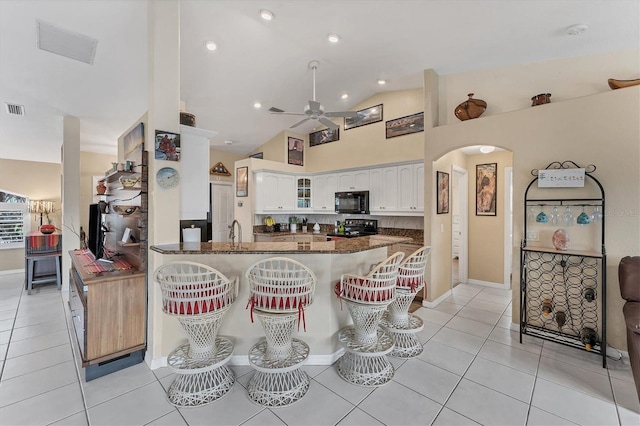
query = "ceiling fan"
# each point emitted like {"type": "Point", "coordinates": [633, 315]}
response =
{"type": "Point", "coordinates": [315, 111]}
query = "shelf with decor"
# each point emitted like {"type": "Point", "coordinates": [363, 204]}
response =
{"type": "Point", "coordinates": [563, 284]}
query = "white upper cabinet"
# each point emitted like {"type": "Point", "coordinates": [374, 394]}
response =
{"type": "Point", "coordinates": [303, 192]}
{"type": "Point", "coordinates": [383, 192]}
{"type": "Point", "coordinates": [357, 180]}
{"type": "Point", "coordinates": [323, 193]}
{"type": "Point", "coordinates": [275, 192]}
{"type": "Point", "coordinates": [411, 188]}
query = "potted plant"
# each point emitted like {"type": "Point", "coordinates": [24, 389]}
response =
{"type": "Point", "coordinates": [293, 224]}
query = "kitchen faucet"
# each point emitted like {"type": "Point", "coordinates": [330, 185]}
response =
{"type": "Point", "coordinates": [232, 234]}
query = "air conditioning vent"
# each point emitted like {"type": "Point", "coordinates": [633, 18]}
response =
{"type": "Point", "coordinates": [14, 109]}
{"type": "Point", "coordinates": [66, 43]}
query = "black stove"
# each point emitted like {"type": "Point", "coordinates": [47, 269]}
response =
{"type": "Point", "coordinates": [357, 228]}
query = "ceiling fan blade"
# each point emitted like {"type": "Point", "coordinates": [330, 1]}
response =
{"type": "Point", "coordinates": [274, 109]}
{"type": "Point", "coordinates": [314, 105]}
{"type": "Point", "coordinates": [348, 114]}
{"type": "Point", "coordinates": [330, 124]}
{"type": "Point", "coordinates": [300, 122]}
{"type": "Point", "coordinates": [288, 113]}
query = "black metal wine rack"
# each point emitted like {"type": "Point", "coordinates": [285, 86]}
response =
{"type": "Point", "coordinates": [563, 293]}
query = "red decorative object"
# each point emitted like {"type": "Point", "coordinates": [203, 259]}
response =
{"type": "Point", "coordinates": [47, 229]}
{"type": "Point", "coordinates": [471, 108]}
{"type": "Point", "coordinates": [101, 188]}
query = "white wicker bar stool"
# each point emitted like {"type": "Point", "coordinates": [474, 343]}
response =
{"type": "Point", "coordinates": [280, 290]}
{"type": "Point", "coordinates": [199, 297]}
{"type": "Point", "coordinates": [364, 362]}
{"type": "Point", "coordinates": [397, 320]}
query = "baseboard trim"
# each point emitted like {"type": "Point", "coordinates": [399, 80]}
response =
{"type": "Point", "coordinates": [488, 284]}
{"type": "Point", "coordinates": [12, 271]}
{"type": "Point", "coordinates": [436, 302]}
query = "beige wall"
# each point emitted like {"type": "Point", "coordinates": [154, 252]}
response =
{"type": "Point", "coordinates": [600, 129]}
{"type": "Point", "coordinates": [360, 146]}
{"type": "Point", "coordinates": [38, 181]}
{"type": "Point", "coordinates": [226, 158]}
{"type": "Point", "coordinates": [91, 164]}
{"type": "Point", "coordinates": [486, 233]}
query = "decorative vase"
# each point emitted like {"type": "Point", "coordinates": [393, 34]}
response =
{"type": "Point", "coordinates": [560, 240]}
{"type": "Point", "coordinates": [47, 229]}
{"type": "Point", "coordinates": [316, 228]}
{"type": "Point", "coordinates": [471, 108]}
{"type": "Point", "coordinates": [619, 84]}
{"type": "Point", "coordinates": [101, 188]}
{"type": "Point", "coordinates": [542, 98]}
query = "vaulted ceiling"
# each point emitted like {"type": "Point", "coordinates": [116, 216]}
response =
{"type": "Point", "coordinates": [266, 61]}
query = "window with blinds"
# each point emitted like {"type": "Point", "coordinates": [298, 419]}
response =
{"type": "Point", "coordinates": [13, 216]}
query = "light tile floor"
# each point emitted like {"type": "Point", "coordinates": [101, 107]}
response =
{"type": "Point", "coordinates": [473, 371]}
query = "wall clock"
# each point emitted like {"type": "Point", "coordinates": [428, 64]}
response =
{"type": "Point", "coordinates": [167, 177]}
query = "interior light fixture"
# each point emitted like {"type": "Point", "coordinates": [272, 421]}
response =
{"type": "Point", "coordinates": [382, 82]}
{"type": "Point", "coordinates": [267, 15]}
{"type": "Point", "coordinates": [487, 149]}
{"type": "Point", "coordinates": [344, 96]}
{"type": "Point", "coordinates": [577, 29]}
{"type": "Point", "coordinates": [333, 38]}
{"type": "Point", "coordinates": [211, 45]}
{"type": "Point", "coordinates": [228, 142]}
{"type": "Point", "coordinates": [257, 105]}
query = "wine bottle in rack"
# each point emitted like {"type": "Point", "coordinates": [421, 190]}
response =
{"type": "Point", "coordinates": [589, 337]}
{"type": "Point", "coordinates": [547, 307]}
{"type": "Point", "coordinates": [589, 294]}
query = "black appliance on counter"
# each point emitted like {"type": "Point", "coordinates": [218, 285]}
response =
{"type": "Point", "coordinates": [352, 202]}
{"type": "Point", "coordinates": [357, 228]}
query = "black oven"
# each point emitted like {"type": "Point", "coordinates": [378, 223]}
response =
{"type": "Point", "coordinates": [352, 202]}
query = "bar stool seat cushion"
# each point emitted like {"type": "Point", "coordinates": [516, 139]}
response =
{"type": "Point", "coordinates": [361, 289]}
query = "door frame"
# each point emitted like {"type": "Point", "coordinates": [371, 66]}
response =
{"type": "Point", "coordinates": [219, 184]}
{"type": "Point", "coordinates": [508, 226]}
{"type": "Point", "coordinates": [463, 199]}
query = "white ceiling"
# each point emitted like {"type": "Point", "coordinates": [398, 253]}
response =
{"type": "Point", "coordinates": [267, 61]}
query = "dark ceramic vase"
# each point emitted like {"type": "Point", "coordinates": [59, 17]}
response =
{"type": "Point", "coordinates": [471, 108]}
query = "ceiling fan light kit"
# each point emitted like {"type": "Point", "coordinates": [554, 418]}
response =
{"type": "Point", "coordinates": [314, 110]}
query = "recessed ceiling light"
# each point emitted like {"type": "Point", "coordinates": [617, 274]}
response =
{"type": "Point", "coordinates": [487, 149]}
{"type": "Point", "coordinates": [344, 96]}
{"type": "Point", "coordinates": [333, 38]}
{"type": "Point", "coordinates": [577, 29]}
{"type": "Point", "coordinates": [382, 82]}
{"type": "Point", "coordinates": [257, 105]}
{"type": "Point", "coordinates": [211, 45]}
{"type": "Point", "coordinates": [267, 15]}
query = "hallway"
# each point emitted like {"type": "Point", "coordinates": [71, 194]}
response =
{"type": "Point", "coordinates": [472, 371]}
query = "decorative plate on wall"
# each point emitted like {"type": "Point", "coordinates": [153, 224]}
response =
{"type": "Point", "coordinates": [167, 177]}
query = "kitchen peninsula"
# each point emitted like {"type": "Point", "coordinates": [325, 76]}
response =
{"type": "Point", "coordinates": [327, 259]}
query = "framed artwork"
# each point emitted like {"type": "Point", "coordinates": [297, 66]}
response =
{"type": "Point", "coordinates": [405, 125]}
{"type": "Point", "coordinates": [486, 185]}
{"type": "Point", "coordinates": [295, 148]}
{"type": "Point", "coordinates": [365, 116]}
{"type": "Point", "coordinates": [242, 181]}
{"type": "Point", "coordinates": [442, 182]}
{"type": "Point", "coordinates": [133, 144]}
{"type": "Point", "coordinates": [259, 155]}
{"type": "Point", "coordinates": [167, 146]}
{"type": "Point", "coordinates": [324, 136]}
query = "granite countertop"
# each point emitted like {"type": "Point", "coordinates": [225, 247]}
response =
{"type": "Point", "coordinates": [349, 245]}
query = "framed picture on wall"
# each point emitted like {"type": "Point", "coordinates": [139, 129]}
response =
{"type": "Point", "coordinates": [365, 116]}
{"type": "Point", "coordinates": [324, 136]}
{"type": "Point", "coordinates": [242, 181]}
{"type": "Point", "coordinates": [442, 192]}
{"type": "Point", "coordinates": [486, 189]}
{"type": "Point", "coordinates": [295, 149]}
{"type": "Point", "coordinates": [167, 146]}
{"type": "Point", "coordinates": [405, 125]}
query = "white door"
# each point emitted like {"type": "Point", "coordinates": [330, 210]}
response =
{"type": "Point", "coordinates": [221, 212]}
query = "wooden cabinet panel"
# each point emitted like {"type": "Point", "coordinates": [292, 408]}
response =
{"type": "Point", "coordinates": [356, 180]}
{"type": "Point", "coordinates": [323, 193]}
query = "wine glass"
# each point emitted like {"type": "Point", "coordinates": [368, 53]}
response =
{"type": "Point", "coordinates": [555, 216]}
{"type": "Point", "coordinates": [583, 218]}
{"type": "Point", "coordinates": [531, 216]}
{"type": "Point", "coordinates": [542, 217]}
{"type": "Point", "coordinates": [596, 216]}
{"type": "Point", "coordinates": [567, 217]}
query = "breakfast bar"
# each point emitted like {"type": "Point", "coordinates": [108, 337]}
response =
{"type": "Point", "coordinates": [327, 259]}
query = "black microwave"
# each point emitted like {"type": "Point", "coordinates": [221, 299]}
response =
{"type": "Point", "coordinates": [352, 202]}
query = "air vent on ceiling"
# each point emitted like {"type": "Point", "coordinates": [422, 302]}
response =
{"type": "Point", "coordinates": [14, 109]}
{"type": "Point", "coordinates": [66, 43]}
